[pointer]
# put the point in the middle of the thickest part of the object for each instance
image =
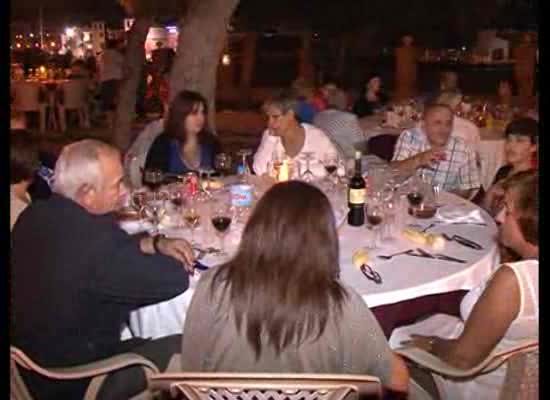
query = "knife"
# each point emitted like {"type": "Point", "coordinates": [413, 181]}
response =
{"type": "Point", "coordinates": [463, 241]}
{"type": "Point", "coordinates": [443, 257]}
{"type": "Point", "coordinates": [467, 242]}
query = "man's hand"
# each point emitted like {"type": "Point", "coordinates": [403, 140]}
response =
{"type": "Point", "coordinates": [178, 249]}
{"type": "Point", "coordinates": [434, 154]}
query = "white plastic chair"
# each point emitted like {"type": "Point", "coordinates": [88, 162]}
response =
{"type": "Point", "coordinates": [134, 160]}
{"type": "Point", "coordinates": [27, 99]}
{"type": "Point", "coordinates": [521, 381]}
{"type": "Point", "coordinates": [97, 370]}
{"type": "Point", "coordinates": [75, 97]}
{"type": "Point", "coordinates": [248, 386]}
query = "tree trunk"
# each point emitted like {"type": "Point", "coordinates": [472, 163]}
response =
{"type": "Point", "coordinates": [203, 34]}
{"type": "Point", "coordinates": [133, 64]}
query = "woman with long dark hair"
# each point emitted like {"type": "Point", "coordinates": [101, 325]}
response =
{"type": "Point", "coordinates": [279, 306]}
{"type": "Point", "coordinates": [185, 145]}
{"type": "Point", "coordinates": [371, 98]}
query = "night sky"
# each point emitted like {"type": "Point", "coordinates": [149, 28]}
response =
{"type": "Point", "coordinates": [338, 14]}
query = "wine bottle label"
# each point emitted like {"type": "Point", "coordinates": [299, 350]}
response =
{"type": "Point", "coordinates": [357, 196]}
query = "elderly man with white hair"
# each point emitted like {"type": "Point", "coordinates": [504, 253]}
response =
{"type": "Point", "coordinates": [76, 276]}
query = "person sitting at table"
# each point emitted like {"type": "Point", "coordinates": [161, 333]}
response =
{"type": "Point", "coordinates": [309, 102]}
{"type": "Point", "coordinates": [520, 150]}
{"type": "Point", "coordinates": [76, 276]}
{"type": "Point", "coordinates": [341, 126]}
{"type": "Point", "coordinates": [487, 322]}
{"type": "Point", "coordinates": [448, 82]}
{"type": "Point", "coordinates": [23, 165]}
{"type": "Point", "coordinates": [462, 127]}
{"type": "Point", "coordinates": [279, 305]}
{"type": "Point", "coordinates": [285, 135]}
{"type": "Point", "coordinates": [446, 160]}
{"type": "Point", "coordinates": [186, 144]}
{"type": "Point", "coordinates": [372, 98]}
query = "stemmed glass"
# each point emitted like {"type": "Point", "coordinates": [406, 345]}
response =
{"type": "Point", "coordinates": [307, 175]}
{"type": "Point", "coordinates": [192, 217]}
{"type": "Point", "coordinates": [375, 217]}
{"type": "Point", "coordinates": [222, 163]}
{"type": "Point", "coordinates": [138, 199]}
{"type": "Point", "coordinates": [244, 169]}
{"type": "Point", "coordinates": [153, 179]}
{"type": "Point", "coordinates": [155, 209]}
{"type": "Point", "coordinates": [330, 162]}
{"type": "Point", "coordinates": [222, 216]}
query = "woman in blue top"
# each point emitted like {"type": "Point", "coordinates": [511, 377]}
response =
{"type": "Point", "coordinates": [185, 145]}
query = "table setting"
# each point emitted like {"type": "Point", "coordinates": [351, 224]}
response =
{"type": "Point", "coordinates": [399, 254]}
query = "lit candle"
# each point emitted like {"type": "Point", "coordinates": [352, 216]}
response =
{"type": "Point", "coordinates": [283, 172]}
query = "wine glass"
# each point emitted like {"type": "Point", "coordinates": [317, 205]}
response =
{"type": "Point", "coordinates": [375, 217]}
{"type": "Point", "coordinates": [222, 163]}
{"type": "Point", "coordinates": [153, 179]}
{"type": "Point", "coordinates": [244, 169]}
{"type": "Point", "coordinates": [307, 175]}
{"type": "Point", "coordinates": [191, 216]}
{"type": "Point", "coordinates": [415, 195]}
{"type": "Point", "coordinates": [155, 209]}
{"type": "Point", "coordinates": [138, 199]}
{"type": "Point", "coordinates": [222, 216]}
{"type": "Point", "coordinates": [330, 162]}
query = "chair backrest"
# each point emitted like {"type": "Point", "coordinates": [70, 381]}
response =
{"type": "Point", "coordinates": [249, 386]}
{"type": "Point", "coordinates": [382, 146]}
{"type": "Point", "coordinates": [522, 377]}
{"type": "Point", "coordinates": [136, 155]}
{"type": "Point", "coordinates": [75, 93]}
{"type": "Point", "coordinates": [96, 370]}
{"type": "Point", "coordinates": [27, 96]}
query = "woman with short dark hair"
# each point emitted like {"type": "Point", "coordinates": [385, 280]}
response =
{"type": "Point", "coordinates": [24, 163]}
{"type": "Point", "coordinates": [279, 305]}
{"type": "Point", "coordinates": [185, 145]}
{"type": "Point", "coordinates": [521, 150]}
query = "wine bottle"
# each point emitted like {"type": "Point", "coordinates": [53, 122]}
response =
{"type": "Point", "coordinates": [356, 195]}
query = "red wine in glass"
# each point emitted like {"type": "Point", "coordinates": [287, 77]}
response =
{"type": "Point", "coordinates": [177, 201]}
{"type": "Point", "coordinates": [331, 169]}
{"type": "Point", "coordinates": [415, 199]}
{"type": "Point", "coordinates": [374, 220]}
{"type": "Point", "coordinates": [221, 223]}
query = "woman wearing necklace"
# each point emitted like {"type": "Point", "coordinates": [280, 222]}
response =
{"type": "Point", "coordinates": [185, 145]}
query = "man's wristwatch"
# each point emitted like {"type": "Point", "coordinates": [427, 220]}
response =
{"type": "Point", "coordinates": [156, 242]}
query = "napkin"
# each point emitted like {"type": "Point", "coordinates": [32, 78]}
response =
{"type": "Point", "coordinates": [460, 214]}
{"type": "Point", "coordinates": [132, 226]}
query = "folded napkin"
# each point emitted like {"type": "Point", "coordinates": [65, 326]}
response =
{"type": "Point", "coordinates": [460, 214]}
{"type": "Point", "coordinates": [132, 226]}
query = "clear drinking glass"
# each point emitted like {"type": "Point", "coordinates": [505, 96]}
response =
{"type": "Point", "coordinates": [330, 162]}
{"type": "Point", "coordinates": [154, 210]}
{"type": "Point", "coordinates": [307, 175]}
{"type": "Point", "coordinates": [222, 216]}
{"type": "Point", "coordinates": [375, 218]}
{"type": "Point", "coordinates": [244, 169]}
{"type": "Point", "coordinates": [222, 163]}
{"type": "Point", "coordinates": [191, 217]}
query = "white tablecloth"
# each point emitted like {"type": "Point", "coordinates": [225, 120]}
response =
{"type": "Point", "coordinates": [404, 277]}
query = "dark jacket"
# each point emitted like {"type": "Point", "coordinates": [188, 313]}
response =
{"type": "Point", "coordinates": [159, 154]}
{"type": "Point", "coordinates": [75, 277]}
{"type": "Point", "coordinates": [364, 107]}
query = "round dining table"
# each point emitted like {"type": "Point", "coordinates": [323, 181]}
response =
{"type": "Point", "coordinates": [404, 277]}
